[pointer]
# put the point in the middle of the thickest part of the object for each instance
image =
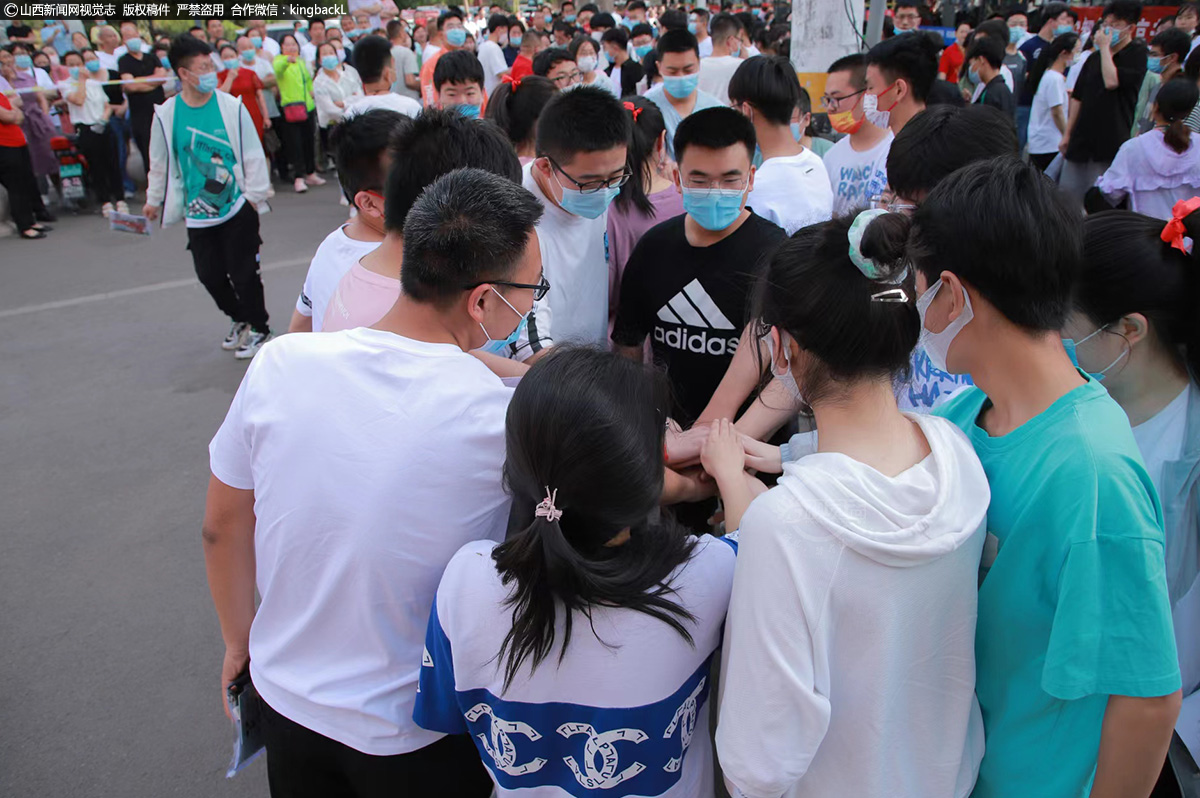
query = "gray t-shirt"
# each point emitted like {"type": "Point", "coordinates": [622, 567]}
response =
{"type": "Point", "coordinates": [405, 61]}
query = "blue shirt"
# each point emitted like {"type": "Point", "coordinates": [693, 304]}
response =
{"type": "Point", "coordinates": [671, 117]}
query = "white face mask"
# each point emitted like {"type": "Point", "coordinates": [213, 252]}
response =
{"type": "Point", "coordinates": [586, 63]}
{"type": "Point", "coordinates": [870, 107]}
{"type": "Point", "coordinates": [785, 377]}
{"type": "Point", "coordinates": [937, 345]}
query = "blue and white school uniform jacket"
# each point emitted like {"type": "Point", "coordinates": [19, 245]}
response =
{"type": "Point", "coordinates": [624, 713]}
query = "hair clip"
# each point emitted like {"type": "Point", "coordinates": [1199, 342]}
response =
{"type": "Point", "coordinates": [510, 80]}
{"type": "Point", "coordinates": [547, 509]}
{"type": "Point", "coordinates": [890, 295]}
{"type": "Point", "coordinates": [1175, 233]}
{"type": "Point", "coordinates": [868, 266]}
{"type": "Point", "coordinates": [633, 110]}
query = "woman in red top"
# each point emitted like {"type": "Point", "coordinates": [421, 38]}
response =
{"type": "Point", "coordinates": [954, 55]}
{"type": "Point", "coordinates": [16, 170]}
{"type": "Point", "coordinates": [522, 65]}
{"type": "Point", "coordinates": [239, 79]}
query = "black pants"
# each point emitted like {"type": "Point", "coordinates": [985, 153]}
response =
{"type": "Point", "coordinates": [103, 163]}
{"type": "Point", "coordinates": [16, 175]}
{"type": "Point", "coordinates": [1042, 161]}
{"type": "Point", "coordinates": [301, 143]}
{"type": "Point", "coordinates": [140, 124]}
{"type": "Point", "coordinates": [226, 261]}
{"type": "Point", "coordinates": [304, 764]}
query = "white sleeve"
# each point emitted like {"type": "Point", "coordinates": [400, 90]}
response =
{"type": "Point", "coordinates": [1058, 94]}
{"type": "Point", "coordinates": [304, 304]}
{"type": "Point", "coordinates": [229, 453]}
{"type": "Point", "coordinates": [774, 712]}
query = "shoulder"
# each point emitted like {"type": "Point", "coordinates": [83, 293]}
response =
{"type": "Point", "coordinates": [764, 228]}
{"type": "Point", "coordinates": [470, 566]}
{"type": "Point", "coordinates": [963, 409]}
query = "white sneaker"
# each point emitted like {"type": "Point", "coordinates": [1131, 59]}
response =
{"type": "Point", "coordinates": [106, 209]}
{"type": "Point", "coordinates": [300, 185]}
{"type": "Point", "coordinates": [236, 337]}
{"type": "Point", "coordinates": [315, 180]}
{"type": "Point", "coordinates": [123, 207]}
{"type": "Point", "coordinates": [254, 342]}
{"type": "Point", "coordinates": [345, 203]}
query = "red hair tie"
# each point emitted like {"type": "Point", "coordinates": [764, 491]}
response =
{"type": "Point", "coordinates": [1174, 231]}
{"type": "Point", "coordinates": [633, 109]}
{"type": "Point", "coordinates": [510, 80]}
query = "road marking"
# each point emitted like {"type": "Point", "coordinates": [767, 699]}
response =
{"type": "Point", "coordinates": [136, 291]}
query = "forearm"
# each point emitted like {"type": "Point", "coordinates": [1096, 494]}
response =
{"type": "Point", "coordinates": [1072, 115]}
{"type": "Point", "coordinates": [1133, 745]}
{"type": "Point", "coordinates": [1108, 70]}
{"type": "Point", "coordinates": [300, 322]}
{"type": "Point", "coordinates": [738, 383]}
{"type": "Point", "coordinates": [1060, 122]}
{"type": "Point", "coordinates": [229, 561]}
{"type": "Point", "coordinates": [501, 366]}
{"type": "Point", "coordinates": [413, 81]}
{"type": "Point", "coordinates": [771, 410]}
{"type": "Point", "coordinates": [736, 496]}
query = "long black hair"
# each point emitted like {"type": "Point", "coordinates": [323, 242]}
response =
{"type": "Point", "coordinates": [1063, 43]}
{"type": "Point", "coordinates": [587, 426]}
{"type": "Point", "coordinates": [1174, 101]}
{"type": "Point", "coordinates": [1128, 268]}
{"type": "Point", "coordinates": [516, 110]}
{"type": "Point", "coordinates": [648, 125]}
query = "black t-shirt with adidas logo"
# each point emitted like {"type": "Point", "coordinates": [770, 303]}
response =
{"type": "Point", "coordinates": [692, 303]}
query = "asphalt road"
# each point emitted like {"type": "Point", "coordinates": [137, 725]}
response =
{"type": "Point", "coordinates": [112, 382]}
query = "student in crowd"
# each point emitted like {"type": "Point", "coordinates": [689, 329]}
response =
{"type": "Point", "coordinates": [215, 183]}
{"type": "Point", "coordinates": [107, 43]}
{"type": "Point", "coordinates": [16, 170]}
{"type": "Point", "coordinates": [1017, 24]}
{"type": "Point", "coordinates": [491, 52]}
{"type": "Point", "coordinates": [452, 35]}
{"type": "Point", "coordinates": [316, 37]}
{"type": "Point", "coordinates": [299, 113]}
{"type": "Point", "coordinates": [954, 55]}
{"type": "Point", "coordinates": [647, 198]}
{"type": "Point", "coordinates": [516, 37]}
{"type": "Point", "coordinates": [906, 16]}
{"type": "Point", "coordinates": [624, 72]}
{"type": "Point", "coordinates": [886, 521]}
{"type": "Point", "coordinates": [698, 24]}
{"type": "Point", "coordinates": [347, 572]}
{"type": "Point", "coordinates": [1048, 83]}
{"type": "Point", "coordinates": [563, 32]}
{"type": "Point", "coordinates": [1159, 168]}
{"type": "Point", "coordinates": [857, 163]}
{"type": "Point", "coordinates": [585, 51]}
{"type": "Point", "coordinates": [1168, 53]}
{"type": "Point", "coordinates": [515, 108]}
{"type": "Point", "coordinates": [1134, 326]}
{"type": "Point", "coordinates": [791, 186]}
{"type": "Point", "coordinates": [458, 80]}
{"type": "Point", "coordinates": [136, 63]}
{"type": "Point", "coordinates": [1104, 99]}
{"type": "Point", "coordinates": [239, 79]}
{"type": "Point", "coordinates": [686, 285]}
{"type": "Point", "coordinates": [679, 95]}
{"type": "Point", "coordinates": [642, 603]}
{"type": "Point", "coordinates": [996, 30]}
{"type": "Point", "coordinates": [334, 88]}
{"type": "Point", "coordinates": [435, 144]}
{"type": "Point", "coordinates": [802, 127]}
{"type": "Point", "coordinates": [717, 69]}
{"type": "Point", "coordinates": [641, 41]}
{"type": "Point", "coordinates": [408, 81]}
{"type": "Point", "coordinates": [523, 64]}
{"type": "Point", "coordinates": [1056, 19]}
{"type": "Point", "coordinates": [373, 61]}
{"type": "Point", "coordinates": [557, 65]}
{"type": "Point", "coordinates": [90, 111]}
{"type": "Point", "coordinates": [582, 141]}
{"type": "Point", "coordinates": [900, 71]}
{"type": "Point", "coordinates": [984, 59]}
{"type": "Point", "coordinates": [1076, 668]}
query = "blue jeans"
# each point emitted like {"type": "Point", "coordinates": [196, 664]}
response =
{"type": "Point", "coordinates": [1023, 112]}
{"type": "Point", "coordinates": [120, 127]}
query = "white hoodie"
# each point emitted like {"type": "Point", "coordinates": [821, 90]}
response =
{"type": "Point", "coordinates": [849, 658]}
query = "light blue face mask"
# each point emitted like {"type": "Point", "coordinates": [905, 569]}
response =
{"type": "Point", "coordinates": [94, 66]}
{"type": "Point", "coordinates": [248, 56]}
{"type": "Point", "coordinates": [692, 28]}
{"type": "Point", "coordinates": [207, 83]}
{"type": "Point", "coordinates": [329, 62]}
{"type": "Point", "coordinates": [230, 63]}
{"type": "Point", "coordinates": [73, 72]}
{"type": "Point", "coordinates": [496, 346]}
{"type": "Point", "coordinates": [467, 110]}
{"type": "Point", "coordinates": [682, 86]}
{"type": "Point", "coordinates": [569, 18]}
{"type": "Point", "coordinates": [1071, 345]}
{"type": "Point", "coordinates": [1061, 29]}
{"type": "Point", "coordinates": [166, 62]}
{"type": "Point", "coordinates": [133, 45]}
{"type": "Point", "coordinates": [457, 37]}
{"type": "Point", "coordinates": [23, 61]}
{"type": "Point", "coordinates": [1114, 36]}
{"type": "Point", "coordinates": [796, 131]}
{"type": "Point", "coordinates": [1016, 34]}
{"type": "Point", "coordinates": [713, 208]}
{"type": "Point", "coordinates": [548, 19]}
{"type": "Point", "coordinates": [973, 76]}
{"type": "Point", "coordinates": [256, 41]}
{"type": "Point", "coordinates": [641, 50]}
{"type": "Point", "coordinates": [515, 41]}
{"type": "Point", "coordinates": [1154, 64]}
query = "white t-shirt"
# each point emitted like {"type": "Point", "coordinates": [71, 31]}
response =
{"type": "Point", "coordinates": [373, 458]}
{"type": "Point", "coordinates": [429, 51]}
{"type": "Point", "coordinates": [337, 253]}
{"type": "Point", "coordinates": [492, 58]}
{"type": "Point", "coordinates": [271, 46]}
{"type": "Point", "coordinates": [575, 262]}
{"type": "Point", "coordinates": [856, 176]}
{"type": "Point", "coordinates": [715, 73]}
{"type": "Point", "coordinates": [94, 100]}
{"type": "Point", "coordinates": [792, 191]}
{"type": "Point", "coordinates": [636, 687]}
{"type": "Point", "coordinates": [390, 102]}
{"type": "Point", "coordinates": [1044, 135]}
{"type": "Point", "coordinates": [1160, 437]}
{"type": "Point", "coordinates": [109, 62]}
{"type": "Point", "coordinates": [706, 48]}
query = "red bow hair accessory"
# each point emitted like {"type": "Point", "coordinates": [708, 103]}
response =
{"type": "Point", "coordinates": [633, 109]}
{"type": "Point", "coordinates": [514, 82]}
{"type": "Point", "coordinates": [1174, 232]}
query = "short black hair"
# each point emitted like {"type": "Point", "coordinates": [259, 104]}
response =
{"type": "Point", "coordinates": [617, 36]}
{"type": "Point", "coordinates": [723, 26]}
{"type": "Point", "coordinates": [1005, 229]}
{"type": "Point", "coordinates": [579, 41]}
{"type": "Point", "coordinates": [993, 29]}
{"type": "Point", "coordinates": [943, 139]}
{"type": "Point", "coordinates": [184, 48]}
{"type": "Point", "coordinates": [987, 48]}
{"type": "Point", "coordinates": [856, 65]}
{"type": "Point", "coordinates": [602, 20]}
{"type": "Point", "coordinates": [673, 19]}
{"type": "Point", "coordinates": [641, 29]}
{"type": "Point", "coordinates": [316, 21]}
{"type": "Point", "coordinates": [563, 27]}
{"type": "Point", "coordinates": [456, 66]}
{"type": "Point", "coordinates": [913, 58]}
{"type": "Point", "coordinates": [196, 27]}
{"type": "Point", "coordinates": [1125, 10]}
{"type": "Point", "coordinates": [372, 54]}
{"type": "Point", "coordinates": [497, 22]}
{"type": "Point", "coordinates": [595, 9]}
{"type": "Point", "coordinates": [435, 143]}
{"type": "Point", "coordinates": [1051, 11]}
{"type": "Point", "coordinates": [636, 5]}
{"type": "Point", "coordinates": [715, 129]}
{"type": "Point", "coordinates": [701, 12]}
{"type": "Point", "coordinates": [586, 119]}
{"type": "Point", "coordinates": [909, 4]}
{"type": "Point", "coordinates": [768, 83]}
{"type": "Point", "coordinates": [679, 40]}
{"type": "Point", "coordinates": [468, 226]}
{"type": "Point", "coordinates": [359, 145]}
{"type": "Point", "coordinates": [1173, 41]}
{"type": "Point", "coordinates": [441, 20]}
{"type": "Point", "coordinates": [547, 59]}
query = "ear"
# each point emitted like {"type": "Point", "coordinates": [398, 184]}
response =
{"type": "Point", "coordinates": [475, 307]}
{"type": "Point", "coordinates": [370, 204]}
{"type": "Point", "coordinates": [952, 288]}
{"type": "Point", "coordinates": [1134, 328]}
{"type": "Point", "coordinates": [750, 181]}
{"type": "Point", "coordinates": [542, 164]}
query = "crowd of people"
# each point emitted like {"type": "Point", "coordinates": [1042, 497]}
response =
{"type": "Point", "coordinates": [907, 504]}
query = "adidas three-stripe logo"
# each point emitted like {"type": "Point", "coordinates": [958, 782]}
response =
{"type": "Point", "coordinates": [694, 307]}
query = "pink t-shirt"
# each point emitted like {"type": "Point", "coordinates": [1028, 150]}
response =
{"type": "Point", "coordinates": [625, 228]}
{"type": "Point", "coordinates": [361, 299]}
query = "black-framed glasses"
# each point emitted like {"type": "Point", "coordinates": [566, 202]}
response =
{"type": "Point", "coordinates": [593, 186]}
{"type": "Point", "coordinates": [539, 291]}
{"type": "Point", "coordinates": [832, 101]}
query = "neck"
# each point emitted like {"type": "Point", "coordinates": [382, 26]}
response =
{"type": "Point", "coordinates": [720, 49]}
{"type": "Point", "coordinates": [1012, 48]}
{"type": "Point", "coordinates": [1047, 34]}
{"type": "Point", "coordinates": [988, 76]}
{"type": "Point", "coordinates": [379, 87]}
{"type": "Point", "coordinates": [698, 236]}
{"type": "Point", "coordinates": [386, 259]}
{"type": "Point", "coordinates": [137, 55]}
{"type": "Point", "coordinates": [332, 71]}
{"type": "Point", "coordinates": [1169, 73]}
{"type": "Point", "coordinates": [902, 113]}
{"type": "Point", "coordinates": [359, 230]}
{"type": "Point", "coordinates": [1146, 381]}
{"type": "Point", "coordinates": [193, 97]}
{"type": "Point", "coordinates": [865, 425]}
{"type": "Point", "coordinates": [421, 322]}
{"type": "Point", "coordinates": [1022, 376]}
{"type": "Point", "coordinates": [866, 137]}
{"type": "Point", "coordinates": [526, 149]}
{"type": "Point", "coordinates": [774, 140]}
{"type": "Point", "coordinates": [621, 58]}
{"type": "Point", "coordinates": [701, 35]}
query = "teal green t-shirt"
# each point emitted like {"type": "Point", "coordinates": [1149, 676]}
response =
{"type": "Point", "coordinates": [206, 158]}
{"type": "Point", "coordinates": [1073, 601]}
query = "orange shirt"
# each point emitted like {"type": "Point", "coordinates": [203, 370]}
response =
{"type": "Point", "coordinates": [428, 93]}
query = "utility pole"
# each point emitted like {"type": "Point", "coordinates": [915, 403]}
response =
{"type": "Point", "coordinates": [822, 32]}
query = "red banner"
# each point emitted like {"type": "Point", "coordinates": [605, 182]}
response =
{"type": "Point", "coordinates": [1090, 15]}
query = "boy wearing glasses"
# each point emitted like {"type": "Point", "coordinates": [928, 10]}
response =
{"type": "Point", "coordinates": [580, 167]}
{"type": "Point", "coordinates": [857, 163]}
{"type": "Point", "coordinates": [688, 280]}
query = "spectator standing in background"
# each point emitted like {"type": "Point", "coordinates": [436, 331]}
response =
{"type": "Point", "coordinates": [1047, 80]}
{"type": "Point", "coordinates": [984, 59]}
{"type": "Point", "coordinates": [954, 55]}
{"type": "Point", "coordinates": [491, 52]}
{"type": "Point", "coordinates": [725, 58]}
{"type": "Point", "coordinates": [239, 79]}
{"type": "Point", "coordinates": [453, 37]}
{"type": "Point", "coordinates": [408, 81]}
{"type": "Point", "coordinates": [35, 89]}
{"type": "Point", "coordinates": [16, 171]}
{"type": "Point", "coordinates": [299, 113]}
{"type": "Point", "coordinates": [680, 95]}
{"type": "Point", "coordinates": [142, 97]}
{"type": "Point", "coordinates": [623, 71]}
{"type": "Point", "coordinates": [90, 111]}
{"type": "Point", "coordinates": [857, 163]}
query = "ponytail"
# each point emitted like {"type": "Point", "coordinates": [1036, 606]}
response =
{"type": "Point", "coordinates": [648, 125]}
{"type": "Point", "coordinates": [517, 103]}
{"type": "Point", "coordinates": [1175, 102]}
